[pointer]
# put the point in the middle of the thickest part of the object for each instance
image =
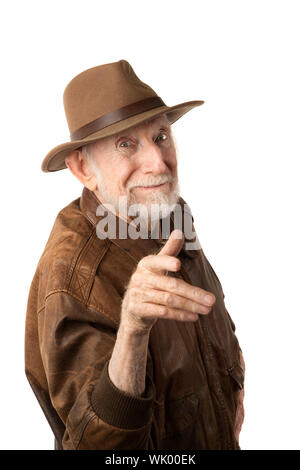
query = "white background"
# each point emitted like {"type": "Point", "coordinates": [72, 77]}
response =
{"type": "Point", "coordinates": [238, 168]}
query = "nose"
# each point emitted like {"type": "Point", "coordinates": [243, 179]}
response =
{"type": "Point", "coordinates": [153, 159]}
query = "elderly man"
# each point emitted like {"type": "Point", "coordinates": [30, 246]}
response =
{"type": "Point", "coordinates": [128, 343]}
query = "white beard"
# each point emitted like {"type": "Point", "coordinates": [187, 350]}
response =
{"type": "Point", "coordinates": [157, 203]}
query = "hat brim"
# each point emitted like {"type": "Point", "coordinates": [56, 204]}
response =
{"type": "Point", "coordinates": [55, 159]}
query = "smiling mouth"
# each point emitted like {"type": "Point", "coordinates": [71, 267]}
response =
{"type": "Point", "coordinates": [150, 187]}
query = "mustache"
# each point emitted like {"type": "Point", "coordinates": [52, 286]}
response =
{"type": "Point", "coordinates": [151, 181]}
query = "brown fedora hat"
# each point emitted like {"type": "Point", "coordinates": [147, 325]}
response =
{"type": "Point", "coordinates": [103, 101]}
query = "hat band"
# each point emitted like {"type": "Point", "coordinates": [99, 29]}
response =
{"type": "Point", "coordinates": [116, 116]}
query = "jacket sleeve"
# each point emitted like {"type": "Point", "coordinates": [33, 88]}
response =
{"type": "Point", "coordinates": [76, 344]}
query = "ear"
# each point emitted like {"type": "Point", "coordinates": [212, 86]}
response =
{"type": "Point", "coordinates": [79, 166]}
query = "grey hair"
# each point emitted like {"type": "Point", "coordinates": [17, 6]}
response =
{"type": "Point", "coordinates": [87, 151]}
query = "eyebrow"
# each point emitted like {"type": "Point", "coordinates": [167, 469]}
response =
{"type": "Point", "coordinates": [162, 123]}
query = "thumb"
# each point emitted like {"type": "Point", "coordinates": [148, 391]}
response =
{"type": "Point", "coordinates": [173, 244]}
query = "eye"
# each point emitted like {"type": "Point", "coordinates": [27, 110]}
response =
{"type": "Point", "coordinates": [125, 142]}
{"type": "Point", "coordinates": [162, 135]}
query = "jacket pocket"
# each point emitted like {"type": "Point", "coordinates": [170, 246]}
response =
{"type": "Point", "coordinates": [229, 374]}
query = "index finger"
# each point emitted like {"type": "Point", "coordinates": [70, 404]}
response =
{"type": "Point", "coordinates": [180, 287]}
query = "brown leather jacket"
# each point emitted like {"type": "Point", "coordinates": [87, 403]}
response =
{"type": "Point", "coordinates": [194, 373]}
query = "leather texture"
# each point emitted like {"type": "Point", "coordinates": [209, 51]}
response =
{"type": "Point", "coordinates": [194, 373]}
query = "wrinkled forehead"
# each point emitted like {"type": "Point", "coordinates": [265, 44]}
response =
{"type": "Point", "coordinates": [155, 122]}
{"type": "Point", "coordinates": [162, 119]}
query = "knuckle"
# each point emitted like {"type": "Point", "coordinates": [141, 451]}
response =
{"type": "Point", "coordinates": [167, 298]}
{"type": "Point", "coordinates": [182, 316]}
{"type": "Point", "coordinates": [163, 311]}
{"type": "Point", "coordinates": [135, 278]}
{"type": "Point", "coordinates": [145, 260]}
{"type": "Point", "coordinates": [173, 283]}
{"type": "Point", "coordinates": [141, 263]}
{"type": "Point", "coordinates": [195, 292]}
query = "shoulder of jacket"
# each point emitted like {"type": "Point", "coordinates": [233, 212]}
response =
{"type": "Point", "coordinates": [71, 256]}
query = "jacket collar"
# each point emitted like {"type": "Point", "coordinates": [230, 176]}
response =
{"type": "Point", "coordinates": [89, 203]}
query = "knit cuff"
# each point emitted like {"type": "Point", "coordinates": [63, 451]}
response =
{"type": "Point", "coordinates": [118, 408]}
